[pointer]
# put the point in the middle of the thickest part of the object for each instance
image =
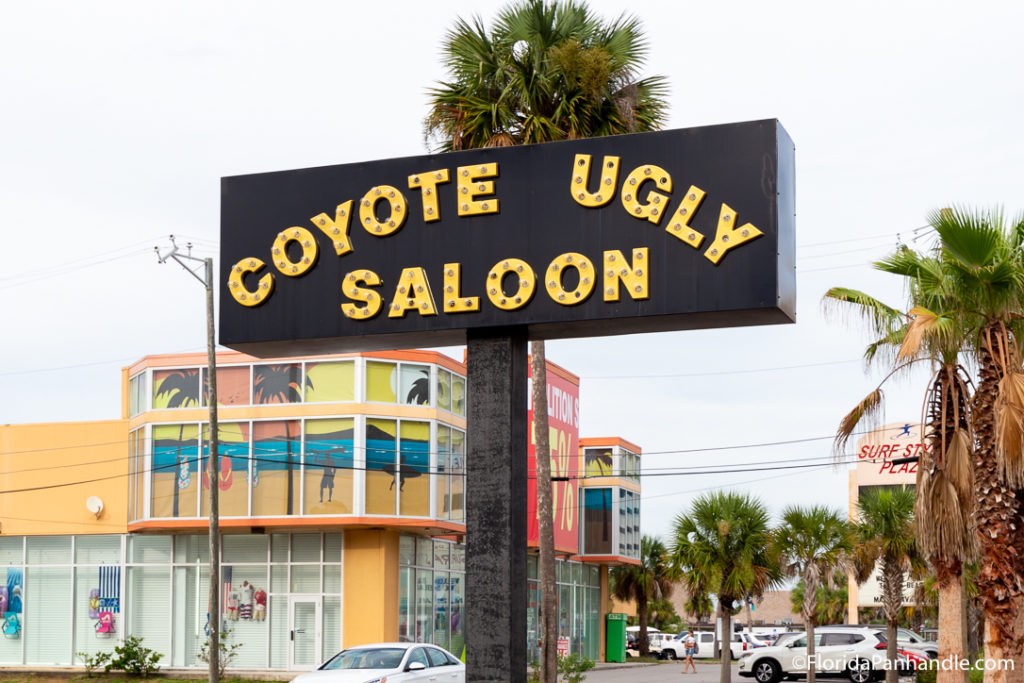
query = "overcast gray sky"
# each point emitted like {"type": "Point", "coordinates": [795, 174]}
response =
{"type": "Point", "coordinates": [119, 118]}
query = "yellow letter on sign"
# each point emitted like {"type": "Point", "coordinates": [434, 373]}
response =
{"type": "Point", "coordinates": [634, 276]}
{"type": "Point", "coordinates": [337, 229]}
{"type": "Point", "coordinates": [729, 237]}
{"type": "Point", "coordinates": [470, 185]}
{"type": "Point", "coordinates": [237, 287]}
{"type": "Point", "coordinates": [280, 251]}
{"type": "Point", "coordinates": [353, 289]}
{"type": "Point", "coordinates": [412, 294]}
{"type": "Point", "coordinates": [656, 204]}
{"type": "Point", "coordinates": [368, 217]}
{"type": "Point", "coordinates": [605, 187]}
{"type": "Point", "coordinates": [454, 302]}
{"type": "Point", "coordinates": [427, 183]}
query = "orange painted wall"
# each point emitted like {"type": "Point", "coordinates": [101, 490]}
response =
{"type": "Point", "coordinates": [41, 467]}
{"type": "Point", "coordinates": [371, 587]}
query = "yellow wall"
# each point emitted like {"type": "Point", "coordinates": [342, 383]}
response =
{"type": "Point", "coordinates": [40, 465]}
{"type": "Point", "coordinates": [371, 587]}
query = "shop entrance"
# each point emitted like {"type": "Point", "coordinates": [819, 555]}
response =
{"type": "Point", "coordinates": [304, 628]}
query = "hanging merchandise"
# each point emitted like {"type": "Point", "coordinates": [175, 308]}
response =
{"type": "Point", "coordinates": [245, 601]}
{"type": "Point", "coordinates": [260, 596]}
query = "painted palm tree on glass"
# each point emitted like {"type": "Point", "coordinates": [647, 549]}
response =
{"type": "Point", "coordinates": [182, 390]}
{"type": "Point", "coordinates": [281, 384]}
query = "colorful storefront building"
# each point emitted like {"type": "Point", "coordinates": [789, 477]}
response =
{"type": "Point", "coordinates": [342, 503]}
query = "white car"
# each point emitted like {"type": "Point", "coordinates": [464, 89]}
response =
{"type": "Point", "coordinates": [857, 653]}
{"type": "Point", "coordinates": [391, 662]}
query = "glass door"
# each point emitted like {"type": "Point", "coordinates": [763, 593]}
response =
{"type": "Point", "coordinates": [304, 628]}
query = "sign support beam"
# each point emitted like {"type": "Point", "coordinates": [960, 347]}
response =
{"type": "Point", "coordinates": [497, 434]}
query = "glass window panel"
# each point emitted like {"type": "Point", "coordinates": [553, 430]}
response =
{"type": "Point", "coordinates": [279, 383]}
{"type": "Point", "coordinates": [246, 587]}
{"type": "Point", "coordinates": [191, 548]}
{"type": "Point", "coordinates": [232, 386]}
{"type": "Point", "coordinates": [177, 388]}
{"type": "Point", "coordinates": [279, 579]}
{"type": "Point", "coordinates": [458, 475]}
{"type": "Point", "coordinates": [334, 381]}
{"type": "Point", "coordinates": [305, 547]}
{"type": "Point", "coordinates": [532, 564]}
{"type": "Point", "coordinates": [381, 467]}
{"type": "Point", "coordinates": [49, 549]}
{"type": "Point", "coordinates": [332, 547]}
{"type": "Point", "coordinates": [405, 590]}
{"type": "Point", "coordinates": [414, 387]}
{"type": "Point", "coordinates": [443, 477]}
{"type": "Point", "coordinates": [424, 606]}
{"type": "Point", "coordinates": [278, 619]}
{"type": "Point", "coordinates": [380, 382]}
{"type": "Point", "coordinates": [244, 548]}
{"type": "Point", "coordinates": [441, 615]}
{"type": "Point", "coordinates": [414, 479]}
{"type": "Point", "coordinates": [11, 577]}
{"type": "Point", "coordinates": [279, 548]}
{"type": "Point", "coordinates": [149, 549]}
{"type": "Point", "coordinates": [597, 521]}
{"type": "Point", "coordinates": [444, 389]}
{"type": "Point", "coordinates": [175, 481]}
{"type": "Point", "coordinates": [441, 554]}
{"type": "Point", "coordinates": [424, 552]}
{"type": "Point", "coordinates": [458, 395]}
{"type": "Point", "coordinates": [46, 628]}
{"type": "Point", "coordinates": [577, 572]}
{"type": "Point", "coordinates": [332, 627]}
{"type": "Point", "coordinates": [189, 606]}
{"type": "Point", "coordinates": [11, 549]}
{"type": "Point", "coordinates": [233, 476]}
{"type": "Point", "coordinates": [87, 610]}
{"type": "Point", "coordinates": [332, 578]}
{"type": "Point", "coordinates": [329, 466]}
{"type": "Point", "coordinates": [97, 549]}
{"type": "Point", "coordinates": [407, 550]}
{"type": "Point", "coordinates": [277, 446]}
{"type": "Point", "coordinates": [305, 578]}
{"type": "Point", "coordinates": [459, 557]}
{"type": "Point", "coordinates": [456, 635]}
{"type": "Point", "coordinates": [149, 610]}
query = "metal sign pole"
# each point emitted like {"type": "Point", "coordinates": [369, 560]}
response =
{"type": "Point", "coordinates": [497, 433]}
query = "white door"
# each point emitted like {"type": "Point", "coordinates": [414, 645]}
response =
{"type": "Point", "coordinates": [304, 631]}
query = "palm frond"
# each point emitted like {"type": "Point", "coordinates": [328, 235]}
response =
{"type": "Point", "coordinates": [867, 413]}
{"type": "Point", "coordinates": [1009, 410]}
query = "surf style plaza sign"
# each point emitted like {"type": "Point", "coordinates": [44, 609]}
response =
{"type": "Point", "coordinates": [679, 229]}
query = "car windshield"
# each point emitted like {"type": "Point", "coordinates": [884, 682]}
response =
{"type": "Point", "coordinates": [366, 658]}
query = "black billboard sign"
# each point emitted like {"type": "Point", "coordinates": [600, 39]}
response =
{"type": "Point", "coordinates": [677, 229]}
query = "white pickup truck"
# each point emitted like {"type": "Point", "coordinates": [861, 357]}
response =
{"type": "Point", "coordinates": [676, 648]}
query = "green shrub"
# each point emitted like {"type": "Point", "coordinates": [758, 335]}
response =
{"type": "Point", "coordinates": [227, 652]}
{"type": "Point", "coordinates": [93, 662]}
{"type": "Point", "coordinates": [573, 669]}
{"type": "Point", "coordinates": [134, 659]}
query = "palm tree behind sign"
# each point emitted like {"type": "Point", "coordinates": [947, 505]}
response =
{"type": "Point", "coordinates": [645, 583]}
{"type": "Point", "coordinates": [281, 384]}
{"type": "Point", "coordinates": [182, 389]}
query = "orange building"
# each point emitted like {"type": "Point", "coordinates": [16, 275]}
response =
{"type": "Point", "coordinates": [342, 502]}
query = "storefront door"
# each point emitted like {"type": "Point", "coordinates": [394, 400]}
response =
{"type": "Point", "coordinates": [304, 625]}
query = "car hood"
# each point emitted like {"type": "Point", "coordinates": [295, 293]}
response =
{"type": "Point", "coordinates": [343, 675]}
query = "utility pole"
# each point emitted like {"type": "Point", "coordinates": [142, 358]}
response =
{"type": "Point", "coordinates": [186, 261]}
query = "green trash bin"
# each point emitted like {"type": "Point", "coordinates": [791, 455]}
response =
{"type": "Point", "coordinates": [615, 637]}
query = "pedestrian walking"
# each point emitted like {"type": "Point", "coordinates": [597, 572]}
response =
{"type": "Point", "coordinates": [691, 647]}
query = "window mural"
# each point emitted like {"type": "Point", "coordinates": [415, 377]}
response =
{"type": "Point", "coordinates": [414, 467]}
{"type": "Point", "coordinates": [597, 521]}
{"type": "Point", "coordinates": [380, 382]}
{"type": "Point", "coordinates": [329, 466]}
{"type": "Point", "coordinates": [598, 462]}
{"type": "Point", "coordinates": [381, 466]}
{"type": "Point", "coordinates": [175, 470]}
{"type": "Point", "coordinates": [335, 381]}
{"type": "Point", "coordinates": [415, 384]}
{"type": "Point", "coordinates": [444, 389]}
{"type": "Point", "coordinates": [233, 476]}
{"type": "Point", "coordinates": [277, 448]}
{"type": "Point", "coordinates": [280, 383]}
{"type": "Point", "coordinates": [232, 386]}
{"type": "Point", "coordinates": [177, 388]}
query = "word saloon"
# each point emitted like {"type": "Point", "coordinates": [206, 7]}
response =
{"type": "Point", "coordinates": [678, 229]}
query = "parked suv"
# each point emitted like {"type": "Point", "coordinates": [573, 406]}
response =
{"type": "Point", "coordinates": [905, 638]}
{"type": "Point", "coordinates": [857, 653]}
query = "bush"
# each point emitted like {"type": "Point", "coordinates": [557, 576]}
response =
{"type": "Point", "coordinates": [93, 662]}
{"type": "Point", "coordinates": [573, 669]}
{"type": "Point", "coordinates": [133, 659]}
{"type": "Point", "coordinates": [227, 652]}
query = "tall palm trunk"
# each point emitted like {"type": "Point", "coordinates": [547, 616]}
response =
{"type": "Point", "coordinates": [809, 609]}
{"type": "Point", "coordinates": [951, 623]}
{"type": "Point", "coordinates": [892, 600]}
{"type": "Point", "coordinates": [996, 508]}
{"type": "Point", "coordinates": [545, 516]}
{"type": "Point", "coordinates": [725, 617]}
{"type": "Point", "coordinates": [643, 640]}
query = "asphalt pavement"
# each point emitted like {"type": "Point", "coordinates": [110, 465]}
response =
{"type": "Point", "coordinates": [661, 672]}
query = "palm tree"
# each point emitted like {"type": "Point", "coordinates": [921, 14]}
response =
{"type": "Point", "coordinates": [546, 71]}
{"type": "Point", "coordinates": [182, 388]}
{"type": "Point", "coordinates": [281, 384]}
{"type": "Point", "coordinates": [644, 583]}
{"type": "Point", "coordinates": [886, 532]}
{"type": "Point", "coordinates": [933, 330]}
{"type": "Point", "coordinates": [984, 264]}
{"type": "Point", "coordinates": [724, 544]}
{"type": "Point", "coordinates": [812, 543]}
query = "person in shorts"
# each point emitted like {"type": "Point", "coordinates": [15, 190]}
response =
{"type": "Point", "coordinates": [690, 643]}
